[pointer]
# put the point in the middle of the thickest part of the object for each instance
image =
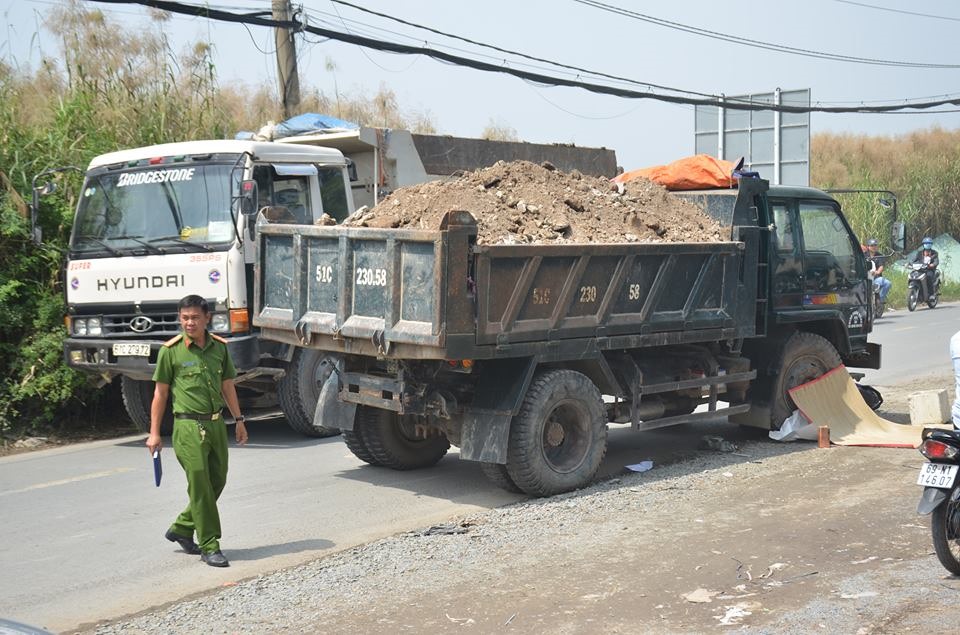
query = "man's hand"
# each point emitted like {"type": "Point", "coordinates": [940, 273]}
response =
{"type": "Point", "coordinates": [154, 443]}
{"type": "Point", "coordinates": [241, 433]}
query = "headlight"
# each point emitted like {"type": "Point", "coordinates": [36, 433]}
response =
{"type": "Point", "coordinates": [94, 327]}
{"type": "Point", "coordinates": [79, 326]}
{"type": "Point", "coordinates": [220, 322]}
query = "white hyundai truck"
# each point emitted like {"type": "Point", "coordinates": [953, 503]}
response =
{"type": "Point", "coordinates": [157, 223]}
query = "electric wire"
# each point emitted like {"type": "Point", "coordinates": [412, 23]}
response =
{"type": "Point", "coordinates": [901, 11]}
{"type": "Point", "coordinates": [769, 46]}
{"type": "Point", "coordinates": [393, 47]}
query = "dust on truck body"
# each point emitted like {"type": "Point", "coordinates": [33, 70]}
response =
{"type": "Point", "coordinates": [160, 222]}
{"type": "Point", "coordinates": [506, 350]}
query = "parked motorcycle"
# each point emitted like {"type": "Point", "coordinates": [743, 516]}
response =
{"type": "Point", "coordinates": [941, 493]}
{"type": "Point", "coordinates": [917, 290]}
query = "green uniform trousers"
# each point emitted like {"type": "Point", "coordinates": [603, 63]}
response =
{"type": "Point", "coordinates": [201, 449]}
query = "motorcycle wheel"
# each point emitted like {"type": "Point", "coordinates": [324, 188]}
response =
{"type": "Point", "coordinates": [933, 300]}
{"type": "Point", "coordinates": [878, 307]}
{"type": "Point", "coordinates": [945, 526]}
{"type": "Point", "coordinates": [912, 297]}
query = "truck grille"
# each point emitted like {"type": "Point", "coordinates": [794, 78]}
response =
{"type": "Point", "coordinates": [152, 325]}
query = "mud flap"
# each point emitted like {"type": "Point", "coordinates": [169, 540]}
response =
{"type": "Point", "coordinates": [931, 499]}
{"type": "Point", "coordinates": [331, 412]}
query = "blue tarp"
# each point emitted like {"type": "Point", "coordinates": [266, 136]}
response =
{"type": "Point", "coordinates": [304, 124]}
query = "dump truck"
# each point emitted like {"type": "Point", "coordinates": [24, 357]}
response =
{"type": "Point", "coordinates": [521, 354]}
{"type": "Point", "coordinates": [154, 224]}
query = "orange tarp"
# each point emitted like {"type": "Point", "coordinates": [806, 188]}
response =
{"type": "Point", "coordinates": [692, 173]}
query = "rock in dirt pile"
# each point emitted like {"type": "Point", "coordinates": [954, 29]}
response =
{"type": "Point", "coordinates": [522, 202]}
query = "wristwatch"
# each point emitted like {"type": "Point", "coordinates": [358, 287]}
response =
{"type": "Point", "coordinates": [240, 419]}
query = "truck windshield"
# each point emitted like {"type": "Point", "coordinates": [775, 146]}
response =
{"type": "Point", "coordinates": [155, 207]}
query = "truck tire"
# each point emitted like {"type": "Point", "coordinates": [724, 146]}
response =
{"type": "Point", "coordinates": [806, 356]}
{"type": "Point", "coordinates": [499, 476]}
{"type": "Point", "coordinates": [299, 389]}
{"type": "Point", "coordinates": [392, 442]}
{"type": "Point", "coordinates": [137, 400]}
{"type": "Point", "coordinates": [354, 438]}
{"type": "Point", "coordinates": [559, 438]}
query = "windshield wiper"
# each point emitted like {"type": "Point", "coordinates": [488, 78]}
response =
{"type": "Point", "coordinates": [153, 248]}
{"type": "Point", "coordinates": [113, 251]}
{"type": "Point", "coordinates": [199, 246]}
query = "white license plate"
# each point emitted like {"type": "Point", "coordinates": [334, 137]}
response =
{"type": "Point", "coordinates": [124, 350]}
{"type": "Point", "coordinates": [937, 475]}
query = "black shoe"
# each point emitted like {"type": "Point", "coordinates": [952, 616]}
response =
{"type": "Point", "coordinates": [187, 544]}
{"type": "Point", "coordinates": [215, 559]}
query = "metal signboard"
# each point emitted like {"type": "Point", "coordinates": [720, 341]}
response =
{"type": "Point", "coordinates": [777, 145]}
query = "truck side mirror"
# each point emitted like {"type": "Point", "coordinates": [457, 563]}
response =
{"type": "Point", "coordinates": [352, 171]}
{"type": "Point", "coordinates": [899, 236]}
{"type": "Point", "coordinates": [45, 188]}
{"type": "Point", "coordinates": [248, 198]}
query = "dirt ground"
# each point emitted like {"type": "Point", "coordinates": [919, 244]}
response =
{"type": "Point", "coordinates": [806, 541]}
{"type": "Point", "coordinates": [521, 202]}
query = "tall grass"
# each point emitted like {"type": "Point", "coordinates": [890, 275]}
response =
{"type": "Point", "coordinates": [922, 168]}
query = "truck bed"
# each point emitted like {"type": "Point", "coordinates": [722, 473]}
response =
{"type": "Point", "coordinates": [417, 294]}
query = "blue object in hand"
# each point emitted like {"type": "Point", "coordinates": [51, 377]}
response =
{"type": "Point", "coordinates": [157, 467]}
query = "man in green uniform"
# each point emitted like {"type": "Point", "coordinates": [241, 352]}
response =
{"type": "Point", "coordinates": [195, 367]}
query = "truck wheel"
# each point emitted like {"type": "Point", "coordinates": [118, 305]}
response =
{"type": "Point", "coordinates": [137, 400]}
{"type": "Point", "coordinates": [354, 438]}
{"type": "Point", "coordinates": [393, 442]}
{"type": "Point", "coordinates": [559, 438]}
{"type": "Point", "coordinates": [299, 389]}
{"type": "Point", "coordinates": [499, 476]}
{"type": "Point", "coordinates": [806, 356]}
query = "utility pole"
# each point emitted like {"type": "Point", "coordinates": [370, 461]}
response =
{"type": "Point", "coordinates": [286, 59]}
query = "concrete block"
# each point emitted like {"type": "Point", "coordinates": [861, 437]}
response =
{"type": "Point", "coordinates": [929, 407]}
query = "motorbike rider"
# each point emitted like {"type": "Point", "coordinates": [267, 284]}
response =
{"type": "Point", "coordinates": [876, 270]}
{"type": "Point", "coordinates": [928, 256]}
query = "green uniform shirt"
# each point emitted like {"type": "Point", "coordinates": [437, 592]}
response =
{"type": "Point", "coordinates": [194, 374]}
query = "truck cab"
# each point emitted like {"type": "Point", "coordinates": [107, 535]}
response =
{"type": "Point", "coordinates": [157, 223]}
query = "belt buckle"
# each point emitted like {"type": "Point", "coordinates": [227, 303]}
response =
{"type": "Point", "coordinates": [215, 416]}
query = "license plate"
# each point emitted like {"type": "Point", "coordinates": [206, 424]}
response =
{"type": "Point", "coordinates": [937, 475]}
{"type": "Point", "coordinates": [125, 350]}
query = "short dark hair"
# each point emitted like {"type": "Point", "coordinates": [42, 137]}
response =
{"type": "Point", "coordinates": [191, 301]}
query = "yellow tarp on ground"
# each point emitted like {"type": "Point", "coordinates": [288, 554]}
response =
{"type": "Point", "coordinates": [834, 401]}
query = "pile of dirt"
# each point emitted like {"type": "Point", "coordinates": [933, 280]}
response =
{"type": "Point", "coordinates": [521, 202]}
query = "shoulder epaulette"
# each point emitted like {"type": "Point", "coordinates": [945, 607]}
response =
{"type": "Point", "coordinates": [218, 338]}
{"type": "Point", "coordinates": [173, 340]}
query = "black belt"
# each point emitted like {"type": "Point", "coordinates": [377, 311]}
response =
{"type": "Point", "coordinates": [214, 416]}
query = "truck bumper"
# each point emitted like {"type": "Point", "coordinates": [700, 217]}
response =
{"type": "Point", "coordinates": [96, 356]}
{"type": "Point", "coordinates": [868, 358]}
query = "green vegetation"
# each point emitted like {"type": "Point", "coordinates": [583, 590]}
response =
{"type": "Point", "coordinates": [111, 88]}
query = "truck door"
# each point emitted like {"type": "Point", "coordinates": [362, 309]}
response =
{"type": "Point", "coordinates": [787, 262]}
{"type": "Point", "coordinates": [833, 273]}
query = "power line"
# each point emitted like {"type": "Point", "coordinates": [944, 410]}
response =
{"type": "Point", "coordinates": [516, 53]}
{"type": "Point", "coordinates": [547, 80]}
{"type": "Point", "coordinates": [769, 46]}
{"type": "Point", "coordinates": [902, 11]}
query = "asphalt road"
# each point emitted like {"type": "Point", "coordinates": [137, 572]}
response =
{"type": "Point", "coordinates": [84, 524]}
{"type": "Point", "coordinates": [914, 344]}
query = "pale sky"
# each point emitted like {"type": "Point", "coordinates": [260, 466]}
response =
{"type": "Point", "coordinates": [463, 102]}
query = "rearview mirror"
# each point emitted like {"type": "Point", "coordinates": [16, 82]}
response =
{"type": "Point", "coordinates": [48, 187]}
{"type": "Point", "coordinates": [248, 198]}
